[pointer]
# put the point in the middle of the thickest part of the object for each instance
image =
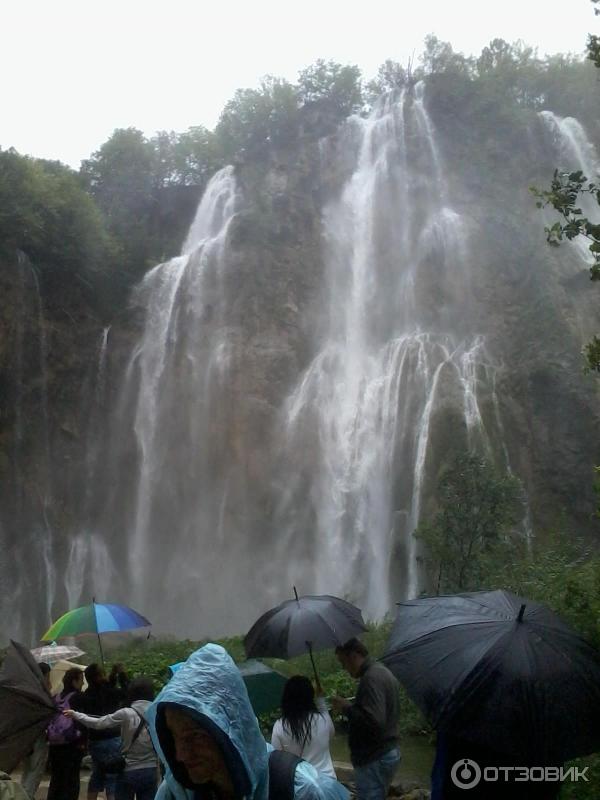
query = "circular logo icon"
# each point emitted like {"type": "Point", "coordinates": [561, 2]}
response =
{"type": "Point", "coordinates": [465, 773]}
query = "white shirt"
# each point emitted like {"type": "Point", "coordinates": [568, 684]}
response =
{"type": "Point", "coordinates": [316, 748]}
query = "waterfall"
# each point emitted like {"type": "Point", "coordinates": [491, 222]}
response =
{"type": "Point", "coordinates": [575, 152]}
{"type": "Point", "coordinates": [32, 477]}
{"type": "Point", "coordinates": [89, 568]}
{"type": "Point", "coordinates": [171, 397]}
{"type": "Point", "coordinates": [389, 361]}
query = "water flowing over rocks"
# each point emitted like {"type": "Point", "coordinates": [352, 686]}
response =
{"type": "Point", "coordinates": [276, 405]}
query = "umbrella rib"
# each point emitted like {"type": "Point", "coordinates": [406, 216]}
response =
{"type": "Point", "coordinates": [410, 642]}
{"type": "Point", "coordinates": [450, 698]}
{"type": "Point", "coordinates": [327, 625]}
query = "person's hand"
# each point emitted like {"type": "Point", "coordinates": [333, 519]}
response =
{"type": "Point", "coordinates": [340, 704]}
{"type": "Point", "coordinates": [319, 689]}
{"type": "Point", "coordinates": [68, 712]}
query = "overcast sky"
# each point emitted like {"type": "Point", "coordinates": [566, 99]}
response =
{"type": "Point", "coordinates": [74, 70]}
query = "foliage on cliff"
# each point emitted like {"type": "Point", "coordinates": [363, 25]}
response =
{"type": "Point", "coordinates": [475, 541]}
{"type": "Point", "coordinates": [478, 509]}
{"type": "Point", "coordinates": [566, 192]}
{"type": "Point", "coordinates": [135, 196]}
{"type": "Point", "coordinates": [46, 213]}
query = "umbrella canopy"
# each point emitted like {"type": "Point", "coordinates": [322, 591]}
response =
{"type": "Point", "coordinates": [51, 653]}
{"type": "Point", "coordinates": [26, 705]}
{"type": "Point", "coordinates": [264, 685]}
{"type": "Point", "coordinates": [316, 622]}
{"type": "Point", "coordinates": [57, 674]}
{"type": "Point", "coordinates": [501, 671]}
{"type": "Point", "coordinates": [95, 618]}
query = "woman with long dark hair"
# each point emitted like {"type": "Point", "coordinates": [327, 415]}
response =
{"type": "Point", "coordinates": [305, 727]}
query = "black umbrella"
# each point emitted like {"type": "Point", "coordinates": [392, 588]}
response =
{"type": "Point", "coordinates": [304, 624]}
{"type": "Point", "coordinates": [501, 671]}
{"type": "Point", "coordinates": [26, 705]}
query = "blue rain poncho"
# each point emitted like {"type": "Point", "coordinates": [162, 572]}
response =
{"type": "Point", "coordinates": [210, 688]}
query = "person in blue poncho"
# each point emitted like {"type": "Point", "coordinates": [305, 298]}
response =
{"type": "Point", "coordinates": [207, 736]}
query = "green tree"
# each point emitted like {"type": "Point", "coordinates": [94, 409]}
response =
{"type": "Point", "coordinates": [565, 195]}
{"type": "Point", "coordinates": [390, 76]}
{"type": "Point", "coordinates": [198, 154]}
{"type": "Point", "coordinates": [46, 213]}
{"type": "Point", "coordinates": [513, 69]}
{"type": "Point", "coordinates": [593, 44]}
{"type": "Point", "coordinates": [439, 57]}
{"type": "Point", "coordinates": [165, 163]}
{"type": "Point", "coordinates": [331, 85]}
{"type": "Point", "coordinates": [121, 176]}
{"type": "Point", "coordinates": [257, 118]}
{"type": "Point", "coordinates": [478, 508]}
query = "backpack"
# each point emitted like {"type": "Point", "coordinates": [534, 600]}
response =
{"type": "Point", "coordinates": [282, 769]}
{"type": "Point", "coordinates": [62, 730]}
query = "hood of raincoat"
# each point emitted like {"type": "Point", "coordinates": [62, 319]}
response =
{"type": "Point", "coordinates": [210, 688]}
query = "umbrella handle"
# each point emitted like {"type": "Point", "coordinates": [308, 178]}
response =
{"type": "Point", "coordinates": [312, 661]}
{"type": "Point", "coordinates": [97, 631]}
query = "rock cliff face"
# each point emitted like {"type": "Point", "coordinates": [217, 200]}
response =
{"type": "Point", "coordinates": [274, 407]}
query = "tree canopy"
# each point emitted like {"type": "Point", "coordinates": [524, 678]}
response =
{"type": "Point", "coordinates": [46, 213]}
{"type": "Point", "coordinates": [478, 509]}
{"type": "Point", "coordinates": [119, 225]}
{"type": "Point", "coordinates": [565, 195]}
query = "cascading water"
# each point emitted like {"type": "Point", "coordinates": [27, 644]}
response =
{"type": "Point", "coordinates": [388, 361]}
{"type": "Point", "coordinates": [34, 560]}
{"type": "Point", "coordinates": [176, 296]}
{"type": "Point", "coordinates": [206, 493]}
{"type": "Point", "coordinates": [164, 512]}
{"type": "Point", "coordinates": [90, 571]}
{"type": "Point", "coordinates": [575, 152]}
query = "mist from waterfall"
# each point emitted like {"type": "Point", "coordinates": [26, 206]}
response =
{"type": "Point", "coordinates": [33, 490]}
{"type": "Point", "coordinates": [90, 570]}
{"type": "Point", "coordinates": [362, 412]}
{"type": "Point", "coordinates": [396, 351]}
{"type": "Point", "coordinates": [203, 501]}
{"type": "Point", "coordinates": [161, 507]}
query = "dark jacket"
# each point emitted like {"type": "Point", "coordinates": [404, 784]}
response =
{"type": "Point", "coordinates": [97, 701]}
{"type": "Point", "coordinates": [373, 716]}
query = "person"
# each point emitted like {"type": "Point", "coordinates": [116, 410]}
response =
{"type": "Point", "coordinates": [305, 727]}
{"type": "Point", "coordinates": [118, 680]}
{"type": "Point", "coordinates": [208, 738]}
{"type": "Point", "coordinates": [65, 742]}
{"type": "Point", "coordinates": [372, 721]}
{"type": "Point", "coordinates": [35, 763]}
{"type": "Point", "coordinates": [9, 789]}
{"type": "Point", "coordinates": [139, 779]}
{"type": "Point", "coordinates": [98, 700]}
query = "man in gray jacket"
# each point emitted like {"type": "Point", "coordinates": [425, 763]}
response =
{"type": "Point", "coordinates": [372, 721]}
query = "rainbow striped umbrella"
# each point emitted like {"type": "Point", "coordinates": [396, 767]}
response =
{"type": "Point", "coordinates": [95, 618]}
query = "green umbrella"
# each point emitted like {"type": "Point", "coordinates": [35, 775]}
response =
{"type": "Point", "coordinates": [264, 685]}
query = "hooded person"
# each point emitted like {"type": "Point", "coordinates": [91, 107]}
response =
{"type": "Point", "coordinates": [208, 738]}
